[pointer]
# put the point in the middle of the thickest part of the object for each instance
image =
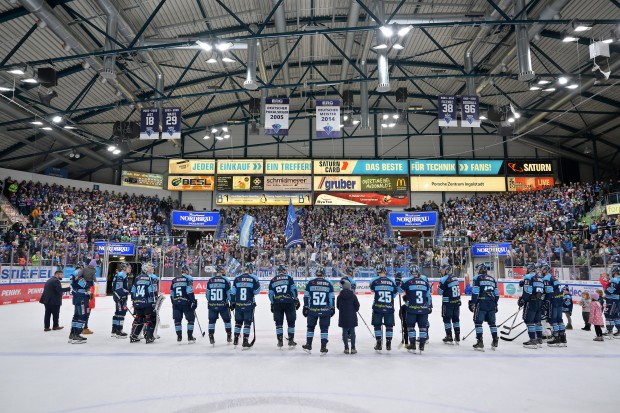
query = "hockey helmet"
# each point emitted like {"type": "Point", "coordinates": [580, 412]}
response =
{"type": "Point", "coordinates": [545, 268]}
{"type": "Point", "coordinates": [220, 269]}
{"type": "Point", "coordinates": [281, 269]}
{"type": "Point", "coordinates": [615, 270]}
{"type": "Point", "coordinates": [531, 268]}
{"type": "Point", "coordinates": [186, 269]}
{"type": "Point", "coordinates": [447, 268]}
{"type": "Point", "coordinates": [319, 272]}
{"type": "Point", "coordinates": [249, 268]}
{"type": "Point", "coordinates": [414, 270]}
{"type": "Point", "coordinates": [147, 266]}
{"type": "Point", "coordinates": [381, 269]}
{"type": "Point", "coordinates": [481, 268]}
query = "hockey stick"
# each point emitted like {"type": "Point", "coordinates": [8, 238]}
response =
{"type": "Point", "coordinates": [253, 326]}
{"type": "Point", "coordinates": [469, 334]}
{"type": "Point", "coordinates": [371, 333]}
{"type": "Point", "coordinates": [512, 315]}
{"type": "Point", "coordinates": [514, 338]}
{"type": "Point", "coordinates": [513, 320]}
{"type": "Point", "coordinates": [199, 326]}
{"type": "Point", "coordinates": [507, 333]}
{"type": "Point", "coordinates": [128, 310]}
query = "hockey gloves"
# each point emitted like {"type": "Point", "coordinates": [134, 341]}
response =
{"type": "Point", "coordinates": [297, 304]}
{"type": "Point", "coordinates": [193, 305]}
{"type": "Point", "coordinates": [232, 306]}
{"type": "Point", "coordinates": [520, 302]}
{"type": "Point", "coordinates": [333, 312]}
{"type": "Point", "coordinates": [272, 308]}
{"type": "Point", "coordinates": [305, 311]}
{"type": "Point", "coordinates": [430, 310]}
{"type": "Point", "coordinates": [471, 306]}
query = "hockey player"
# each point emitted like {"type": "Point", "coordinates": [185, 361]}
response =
{"type": "Point", "coordinates": [318, 307]}
{"type": "Point", "coordinates": [80, 290]}
{"type": "Point", "coordinates": [450, 293]}
{"type": "Point", "coordinates": [384, 289]}
{"type": "Point", "coordinates": [159, 299]}
{"type": "Point", "coordinates": [417, 295]}
{"type": "Point", "coordinates": [483, 304]}
{"type": "Point", "coordinates": [612, 304]}
{"type": "Point", "coordinates": [218, 297]}
{"type": "Point", "coordinates": [554, 297]}
{"type": "Point", "coordinates": [184, 303]}
{"type": "Point", "coordinates": [349, 277]}
{"type": "Point", "coordinates": [120, 291]}
{"type": "Point", "coordinates": [245, 287]}
{"type": "Point", "coordinates": [143, 296]}
{"type": "Point", "coordinates": [532, 301]}
{"type": "Point", "coordinates": [284, 301]}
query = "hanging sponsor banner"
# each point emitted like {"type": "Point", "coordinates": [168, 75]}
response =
{"type": "Point", "coordinates": [457, 184]}
{"type": "Point", "coordinates": [476, 167]}
{"type": "Point", "coordinates": [190, 183]}
{"type": "Point", "coordinates": [292, 167]}
{"type": "Point", "coordinates": [142, 180]}
{"type": "Point", "coordinates": [230, 166]}
{"type": "Point", "coordinates": [360, 167]}
{"type": "Point", "coordinates": [612, 209]}
{"type": "Point", "coordinates": [500, 249]}
{"type": "Point", "coordinates": [191, 166]}
{"type": "Point", "coordinates": [520, 184]}
{"type": "Point", "coordinates": [362, 199]}
{"type": "Point", "coordinates": [470, 112]}
{"type": "Point", "coordinates": [432, 167]}
{"type": "Point", "coordinates": [529, 167]}
{"type": "Point", "coordinates": [328, 119]}
{"type": "Point", "coordinates": [149, 123]}
{"type": "Point", "coordinates": [195, 219]}
{"type": "Point", "coordinates": [413, 219]}
{"type": "Point", "coordinates": [265, 198]}
{"type": "Point", "coordinates": [337, 183]}
{"type": "Point", "coordinates": [171, 123]}
{"type": "Point", "coordinates": [288, 183]}
{"type": "Point", "coordinates": [276, 116]}
{"type": "Point", "coordinates": [384, 183]}
{"type": "Point", "coordinates": [239, 183]}
{"type": "Point", "coordinates": [124, 249]}
{"type": "Point", "coordinates": [446, 111]}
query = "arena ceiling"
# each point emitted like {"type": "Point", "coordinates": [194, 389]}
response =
{"type": "Point", "coordinates": [307, 49]}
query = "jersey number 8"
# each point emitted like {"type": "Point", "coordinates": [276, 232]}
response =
{"type": "Point", "coordinates": [243, 294]}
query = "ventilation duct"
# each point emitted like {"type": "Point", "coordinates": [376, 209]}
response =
{"type": "Point", "coordinates": [280, 24]}
{"type": "Point", "coordinates": [523, 46]}
{"type": "Point", "coordinates": [250, 76]}
{"type": "Point", "coordinates": [365, 121]}
{"type": "Point", "coordinates": [354, 15]}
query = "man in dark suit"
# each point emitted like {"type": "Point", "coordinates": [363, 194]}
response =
{"type": "Point", "coordinates": [52, 299]}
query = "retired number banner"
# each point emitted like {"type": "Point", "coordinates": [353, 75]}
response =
{"type": "Point", "coordinates": [470, 112]}
{"type": "Point", "coordinates": [328, 119]}
{"type": "Point", "coordinates": [149, 123]}
{"type": "Point", "coordinates": [446, 111]}
{"type": "Point", "coordinates": [171, 123]}
{"type": "Point", "coordinates": [276, 116]}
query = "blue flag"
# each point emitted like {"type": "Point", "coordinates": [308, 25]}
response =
{"type": "Point", "coordinates": [292, 231]}
{"type": "Point", "coordinates": [232, 266]}
{"type": "Point", "coordinates": [245, 232]}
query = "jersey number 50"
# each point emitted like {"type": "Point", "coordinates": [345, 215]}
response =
{"type": "Point", "coordinates": [216, 295]}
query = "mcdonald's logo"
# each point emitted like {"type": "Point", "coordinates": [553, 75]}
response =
{"type": "Point", "coordinates": [401, 182]}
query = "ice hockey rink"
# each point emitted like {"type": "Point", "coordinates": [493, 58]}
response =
{"type": "Point", "coordinates": [43, 373]}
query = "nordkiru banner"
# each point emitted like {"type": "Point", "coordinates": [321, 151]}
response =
{"type": "Point", "coordinates": [171, 128]}
{"type": "Point", "coordinates": [276, 116]}
{"type": "Point", "coordinates": [446, 111]}
{"type": "Point", "coordinates": [328, 119]}
{"type": "Point", "coordinates": [470, 112]}
{"type": "Point", "coordinates": [149, 123]}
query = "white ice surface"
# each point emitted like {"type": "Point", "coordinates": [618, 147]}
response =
{"type": "Point", "coordinates": [41, 372]}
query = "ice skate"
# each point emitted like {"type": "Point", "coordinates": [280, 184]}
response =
{"type": "Point", "coordinates": [323, 349]}
{"type": "Point", "coordinates": [307, 348]}
{"type": "Point", "coordinates": [479, 346]}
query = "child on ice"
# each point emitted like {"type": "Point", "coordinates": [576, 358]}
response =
{"type": "Point", "coordinates": [348, 306]}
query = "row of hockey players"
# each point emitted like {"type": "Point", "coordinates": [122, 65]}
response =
{"type": "Point", "coordinates": [543, 300]}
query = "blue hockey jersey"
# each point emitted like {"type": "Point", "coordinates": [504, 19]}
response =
{"type": "Point", "coordinates": [143, 292]}
{"type": "Point", "coordinates": [218, 292]}
{"type": "Point", "coordinates": [485, 292]}
{"type": "Point", "coordinates": [319, 297]}
{"type": "Point", "coordinates": [120, 286]}
{"type": "Point", "coordinates": [385, 289]}
{"type": "Point", "coordinates": [182, 290]}
{"type": "Point", "coordinates": [449, 289]}
{"type": "Point", "coordinates": [533, 288]}
{"type": "Point", "coordinates": [418, 293]}
{"type": "Point", "coordinates": [552, 289]}
{"type": "Point", "coordinates": [282, 289]}
{"type": "Point", "coordinates": [244, 288]}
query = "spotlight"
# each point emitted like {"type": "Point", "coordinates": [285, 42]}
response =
{"type": "Point", "coordinates": [549, 89]}
{"type": "Point", "coordinates": [211, 60]}
{"type": "Point", "coordinates": [384, 125]}
{"type": "Point", "coordinates": [116, 151]}
{"type": "Point", "coordinates": [568, 38]}
{"type": "Point", "coordinates": [381, 46]}
{"type": "Point", "coordinates": [544, 82]}
{"type": "Point", "coordinates": [533, 87]}
{"type": "Point", "coordinates": [224, 128]}
{"type": "Point", "coordinates": [511, 120]}
{"type": "Point", "coordinates": [572, 86]}
{"type": "Point", "coordinates": [204, 46]}
{"type": "Point", "coordinates": [222, 47]}
{"type": "Point", "coordinates": [398, 46]}
{"type": "Point", "coordinates": [214, 130]}
{"type": "Point", "coordinates": [30, 80]}
{"type": "Point", "coordinates": [581, 27]}
{"type": "Point", "coordinates": [395, 116]}
{"type": "Point", "coordinates": [404, 30]}
{"type": "Point", "coordinates": [36, 122]}
{"type": "Point", "coordinates": [387, 31]}
{"type": "Point", "coordinates": [386, 116]}
{"type": "Point", "coordinates": [18, 71]}
{"type": "Point", "coordinates": [345, 117]}
{"type": "Point", "coordinates": [219, 138]}
{"type": "Point", "coordinates": [517, 115]}
{"type": "Point", "coordinates": [226, 136]}
{"type": "Point", "coordinates": [482, 117]}
{"type": "Point", "coordinates": [356, 121]}
{"type": "Point", "coordinates": [563, 80]}
{"type": "Point", "coordinates": [69, 127]}
{"type": "Point", "coordinates": [391, 125]}
{"type": "Point", "coordinates": [111, 148]}
{"type": "Point", "coordinates": [228, 60]}
{"type": "Point", "coordinates": [46, 128]}
{"type": "Point", "coordinates": [77, 155]}
{"type": "Point", "coordinates": [57, 119]}
{"type": "Point", "coordinates": [207, 136]}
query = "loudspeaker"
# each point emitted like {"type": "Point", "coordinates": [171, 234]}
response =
{"type": "Point", "coordinates": [401, 95]}
{"type": "Point", "coordinates": [505, 128]}
{"type": "Point", "coordinates": [47, 76]}
{"type": "Point", "coordinates": [347, 98]}
{"type": "Point", "coordinates": [126, 130]}
{"type": "Point", "coordinates": [46, 97]}
{"type": "Point", "coordinates": [254, 106]}
{"type": "Point", "coordinates": [495, 114]}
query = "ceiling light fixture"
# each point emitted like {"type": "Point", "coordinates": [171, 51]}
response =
{"type": "Point", "coordinates": [387, 31]}
{"type": "Point", "coordinates": [381, 46]}
{"type": "Point", "coordinates": [566, 38]}
{"type": "Point", "coordinates": [226, 136]}
{"type": "Point", "coordinates": [482, 117]}
{"type": "Point", "coordinates": [398, 46]}
{"type": "Point", "coordinates": [228, 60]}
{"type": "Point", "coordinates": [57, 119]}
{"type": "Point", "coordinates": [30, 80]}
{"type": "Point", "coordinates": [69, 127]}
{"type": "Point", "coordinates": [211, 60]}
{"type": "Point", "coordinates": [572, 86]}
{"type": "Point", "coordinates": [533, 87]}
{"type": "Point", "coordinates": [46, 128]}
{"type": "Point", "coordinates": [581, 27]}
{"type": "Point", "coordinates": [111, 148]}
{"type": "Point", "coordinates": [116, 151]}
{"type": "Point", "coordinates": [562, 80]}
{"type": "Point", "coordinates": [36, 122]}
{"type": "Point", "coordinates": [544, 82]}
{"type": "Point", "coordinates": [549, 89]}
{"type": "Point", "coordinates": [404, 30]}
{"type": "Point", "coordinates": [219, 138]}
{"type": "Point", "coordinates": [204, 46]}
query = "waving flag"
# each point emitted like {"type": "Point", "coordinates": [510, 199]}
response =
{"type": "Point", "coordinates": [292, 231]}
{"type": "Point", "coordinates": [245, 232]}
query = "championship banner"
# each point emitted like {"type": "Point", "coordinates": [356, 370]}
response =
{"type": "Point", "coordinates": [432, 167]}
{"type": "Point", "coordinates": [149, 123]}
{"type": "Point", "coordinates": [359, 167]}
{"type": "Point", "coordinates": [276, 116]}
{"type": "Point", "coordinates": [190, 183]}
{"type": "Point", "coordinates": [142, 180]}
{"type": "Point", "coordinates": [266, 198]}
{"type": "Point", "coordinates": [288, 183]}
{"type": "Point", "coordinates": [475, 167]}
{"type": "Point", "coordinates": [337, 183]}
{"type": "Point", "coordinates": [191, 166]}
{"type": "Point", "coordinates": [457, 184]}
{"type": "Point", "coordinates": [230, 166]}
{"type": "Point", "coordinates": [195, 219]}
{"type": "Point", "coordinates": [384, 183]}
{"type": "Point", "coordinates": [470, 112]}
{"type": "Point", "coordinates": [521, 184]}
{"type": "Point", "coordinates": [171, 123]}
{"type": "Point", "coordinates": [115, 248]}
{"type": "Point", "coordinates": [239, 183]}
{"type": "Point", "coordinates": [529, 167]}
{"type": "Point", "coordinates": [413, 219]}
{"type": "Point", "coordinates": [292, 167]}
{"type": "Point", "coordinates": [362, 199]}
{"type": "Point", "coordinates": [328, 119]}
{"type": "Point", "coordinates": [446, 111]}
